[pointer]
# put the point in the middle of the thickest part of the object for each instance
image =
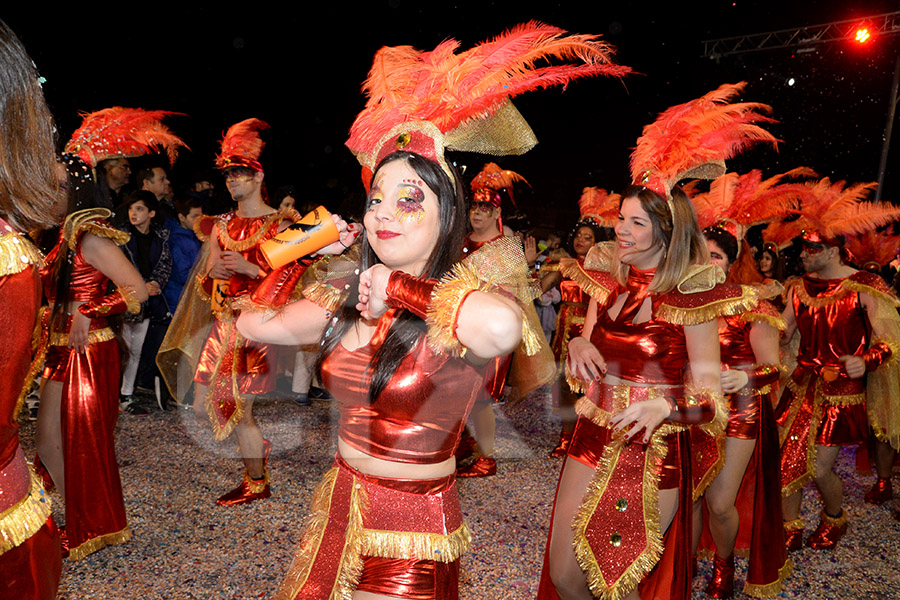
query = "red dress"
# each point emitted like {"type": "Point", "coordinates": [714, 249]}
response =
{"type": "Point", "coordinates": [570, 318]}
{"type": "Point", "coordinates": [618, 542]}
{"type": "Point", "coordinates": [750, 416]}
{"type": "Point", "coordinates": [29, 544]}
{"type": "Point", "coordinates": [95, 510]}
{"type": "Point", "coordinates": [229, 365]}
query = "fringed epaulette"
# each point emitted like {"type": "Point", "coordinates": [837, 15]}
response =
{"type": "Point", "coordinates": [869, 283]}
{"type": "Point", "coordinates": [17, 253]}
{"type": "Point", "coordinates": [723, 300]}
{"type": "Point", "coordinates": [91, 220]}
{"type": "Point", "coordinates": [203, 226]}
{"type": "Point", "coordinates": [600, 257]}
{"type": "Point", "coordinates": [765, 312]}
{"type": "Point", "coordinates": [599, 285]}
{"type": "Point", "coordinates": [502, 262]}
{"type": "Point", "coordinates": [328, 281]}
{"type": "Point", "coordinates": [446, 300]}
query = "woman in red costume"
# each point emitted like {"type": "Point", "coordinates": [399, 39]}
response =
{"type": "Point", "coordinates": [29, 196]}
{"type": "Point", "coordinates": [408, 357]}
{"type": "Point", "coordinates": [741, 470]}
{"type": "Point", "coordinates": [621, 525]}
{"type": "Point", "coordinates": [595, 204]}
{"type": "Point", "coordinates": [79, 399]}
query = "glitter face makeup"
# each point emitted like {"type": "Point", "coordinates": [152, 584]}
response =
{"type": "Point", "coordinates": [482, 208]}
{"type": "Point", "coordinates": [409, 204]}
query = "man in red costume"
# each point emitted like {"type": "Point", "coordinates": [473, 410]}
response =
{"type": "Point", "coordinates": [30, 561]}
{"type": "Point", "coordinates": [231, 370]}
{"type": "Point", "coordinates": [842, 339]}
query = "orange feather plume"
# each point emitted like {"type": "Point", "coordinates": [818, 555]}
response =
{"type": "Point", "coordinates": [878, 247]}
{"type": "Point", "coordinates": [600, 206]}
{"type": "Point", "coordinates": [452, 91]}
{"type": "Point", "coordinates": [119, 132]}
{"type": "Point", "coordinates": [702, 132]}
{"type": "Point", "coordinates": [749, 200]}
{"type": "Point", "coordinates": [834, 209]}
{"type": "Point", "coordinates": [494, 178]}
{"type": "Point", "coordinates": [241, 145]}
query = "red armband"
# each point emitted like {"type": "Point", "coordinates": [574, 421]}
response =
{"type": "Point", "coordinates": [877, 355]}
{"type": "Point", "coordinates": [277, 289]}
{"type": "Point", "coordinates": [111, 304]}
{"type": "Point", "coordinates": [411, 293]}
{"type": "Point", "coordinates": [695, 407]}
{"type": "Point", "coordinates": [763, 375]}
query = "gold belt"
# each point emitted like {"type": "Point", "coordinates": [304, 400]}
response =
{"type": "Point", "coordinates": [95, 336]}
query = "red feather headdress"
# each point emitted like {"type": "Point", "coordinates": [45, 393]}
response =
{"type": "Point", "coordinates": [599, 206]}
{"type": "Point", "coordinates": [492, 179]}
{"type": "Point", "coordinates": [424, 102]}
{"type": "Point", "coordinates": [241, 145]}
{"type": "Point", "coordinates": [693, 140]}
{"type": "Point", "coordinates": [123, 133]}
{"type": "Point", "coordinates": [832, 210]}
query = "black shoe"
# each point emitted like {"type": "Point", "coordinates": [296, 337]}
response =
{"type": "Point", "coordinates": [299, 399]}
{"type": "Point", "coordinates": [318, 393]}
{"type": "Point", "coordinates": [127, 404]}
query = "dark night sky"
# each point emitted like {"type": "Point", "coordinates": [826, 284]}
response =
{"type": "Point", "coordinates": [301, 72]}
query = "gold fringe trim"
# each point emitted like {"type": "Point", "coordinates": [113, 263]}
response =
{"type": "Point", "coordinates": [849, 400]}
{"type": "Point", "coordinates": [716, 426]}
{"type": "Point", "coordinates": [443, 309]}
{"type": "Point", "coordinates": [325, 295]}
{"type": "Point", "coordinates": [254, 485]}
{"type": "Point", "coordinates": [726, 307]}
{"type": "Point", "coordinates": [416, 545]}
{"type": "Point", "coordinates": [770, 590]}
{"type": "Point", "coordinates": [198, 286]}
{"type": "Point", "coordinates": [221, 432]}
{"type": "Point", "coordinates": [861, 288]}
{"type": "Point", "coordinates": [574, 271]}
{"type": "Point", "coordinates": [40, 341]}
{"type": "Point", "coordinates": [131, 303]}
{"type": "Point", "coordinates": [817, 301]}
{"type": "Point", "coordinates": [351, 563]}
{"type": "Point", "coordinates": [298, 573]}
{"type": "Point", "coordinates": [229, 243]}
{"type": "Point", "coordinates": [577, 385]}
{"type": "Point", "coordinates": [24, 518]}
{"type": "Point", "coordinates": [99, 542]}
{"type": "Point", "coordinates": [755, 317]}
{"type": "Point", "coordinates": [794, 525]}
{"type": "Point", "coordinates": [713, 471]}
{"type": "Point", "coordinates": [90, 220]}
{"type": "Point", "coordinates": [648, 558]}
{"type": "Point", "coordinates": [533, 340]}
{"type": "Point", "coordinates": [794, 486]}
{"type": "Point", "coordinates": [17, 254]}
{"type": "Point", "coordinates": [94, 337]}
{"type": "Point", "coordinates": [198, 231]}
{"type": "Point", "coordinates": [835, 522]}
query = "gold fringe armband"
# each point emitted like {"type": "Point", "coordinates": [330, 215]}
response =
{"type": "Point", "coordinates": [443, 310]}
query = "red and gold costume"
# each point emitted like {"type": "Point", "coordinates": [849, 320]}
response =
{"type": "Point", "coordinates": [823, 405]}
{"type": "Point", "coordinates": [570, 318]}
{"type": "Point", "coordinates": [618, 541]}
{"type": "Point", "coordinates": [760, 534]}
{"type": "Point", "coordinates": [95, 510]}
{"type": "Point", "coordinates": [29, 543]}
{"type": "Point", "coordinates": [397, 537]}
{"type": "Point", "coordinates": [229, 365]}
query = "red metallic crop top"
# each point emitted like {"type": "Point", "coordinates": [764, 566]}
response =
{"type": "Point", "coordinates": [419, 416]}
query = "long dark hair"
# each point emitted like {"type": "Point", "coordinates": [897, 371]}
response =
{"type": "Point", "coordinates": [407, 328]}
{"type": "Point", "coordinates": [82, 193]}
{"type": "Point", "coordinates": [29, 187]}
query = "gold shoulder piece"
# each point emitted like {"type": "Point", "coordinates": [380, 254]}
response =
{"type": "Point", "coordinates": [599, 257]}
{"type": "Point", "coordinates": [17, 253]}
{"type": "Point", "coordinates": [756, 317]}
{"type": "Point", "coordinates": [861, 288]}
{"type": "Point", "coordinates": [502, 262]}
{"type": "Point", "coordinates": [701, 278]}
{"type": "Point", "coordinates": [203, 227]}
{"type": "Point", "coordinates": [599, 290]}
{"type": "Point", "coordinates": [715, 305]}
{"type": "Point", "coordinates": [91, 220]}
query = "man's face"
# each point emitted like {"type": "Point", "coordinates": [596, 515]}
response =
{"type": "Point", "coordinates": [483, 215]}
{"type": "Point", "coordinates": [816, 257]}
{"type": "Point", "coordinates": [117, 173]}
{"type": "Point", "coordinates": [158, 184]}
{"type": "Point", "coordinates": [242, 182]}
{"type": "Point", "coordinates": [203, 186]}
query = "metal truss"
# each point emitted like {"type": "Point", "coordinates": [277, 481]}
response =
{"type": "Point", "coordinates": [804, 39]}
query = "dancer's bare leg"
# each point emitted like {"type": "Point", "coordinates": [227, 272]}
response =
{"type": "Point", "coordinates": [49, 433]}
{"type": "Point", "coordinates": [827, 481]}
{"type": "Point", "coordinates": [722, 493]}
{"type": "Point", "coordinates": [250, 440]}
{"type": "Point", "coordinates": [485, 427]}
